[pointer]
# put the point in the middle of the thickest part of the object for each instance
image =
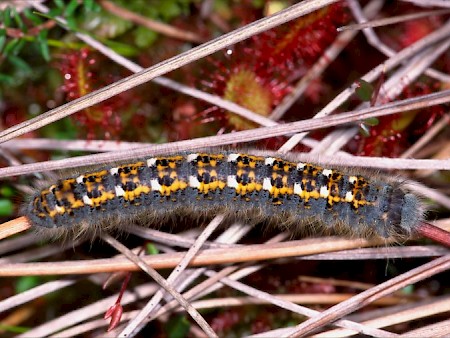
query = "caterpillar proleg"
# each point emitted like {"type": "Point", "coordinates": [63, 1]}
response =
{"type": "Point", "coordinates": [290, 194]}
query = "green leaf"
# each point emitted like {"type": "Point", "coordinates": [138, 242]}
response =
{"type": "Point", "coordinates": [32, 17]}
{"type": "Point", "coordinates": [261, 3]}
{"type": "Point", "coordinates": [27, 282]}
{"type": "Point", "coordinates": [59, 3]}
{"type": "Point", "coordinates": [91, 6]}
{"type": "Point", "coordinates": [19, 47]}
{"type": "Point", "coordinates": [151, 249]}
{"type": "Point", "coordinates": [364, 130]}
{"type": "Point", "coordinates": [7, 191]}
{"type": "Point", "coordinates": [2, 39]}
{"type": "Point", "coordinates": [366, 124]}
{"type": "Point", "coordinates": [43, 45]}
{"type": "Point", "coordinates": [19, 21]}
{"type": "Point", "coordinates": [13, 328]}
{"type": "Point", "coordinates": [364, 90]}
{"type": "Point", "coordinates": [6, 207]}
{"type": "Point", "coordinates": [20, 64]}
{"type": "Point", "coordinates": [178, 327]}
{"type": "Point", "coordinates": [144, 37]}
{"type": "Point", "coordinates": [10, 46]}
{"type": "Point", "coordinates": [7, 17]}
{"type": "Point", "coordinates": [372, 121]}
{"type": "Point", "coordinates": [71, 7]}
{"type": "Point", "coordinates": [169, 10]}
{"type": "Point", "coordinates": [52, 13]}
{"type": "Point", "coordinates": [72, 23]}
{"type": "Point", "coordinates": [403, 121]}
{"type": "Point", "coordinates": [408, 290]}
{"type": "Point", "coordinates": [122, 48]}
{"type": "Point", "coordinates": [14, 46]}
{"type": "Point", "coordinates": [7, 80]}
{"type": "Point", "coordinates": [105, 24]}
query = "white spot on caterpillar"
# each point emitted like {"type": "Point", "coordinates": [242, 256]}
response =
{"type": "Point", "coordinates": [151, 162]}
{"type": "Point", "coordinates": [324, 192]}
{"type": "Point", "coordinates": [300, 166]}
{"type": "Point", "coordinates": [349, 196]}
{"type": "Point", "coordinates": [298, 189]}
{"type": "Point", "coordinates": [233, 157]}
{"type": "Point", "coordinates": [155, 185]}
{"type": "Point", "coordinates": [232, 182]}
{"type": "Point", "coordinates": [194, 182]}
{"type": "Point", "coordinates": [191, 157]}
{"type": "Point", "coordinates": [119, 191]}
{"type": "Point", "coordinates": [59, 209]}
{"type": "Point", "coordinates": [266, 184]}
{"type": "Point", "coordinates": [269, 161]}
{"type": "Point", "coordinates": [87, 200]}
{"type": "Point", "coordinates": [80, 179]}
{"type": "Point", "coordinates": [327, 172]}
{"type": "Point", "coordinates": [353, 179]}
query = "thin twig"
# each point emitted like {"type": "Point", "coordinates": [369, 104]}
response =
{"type": "Point", "coordinates": [429, 135]}
{"type": "Point", "coordinates": [246, 253]}
{"type": "Point", "coordinates": [147, 310]}
{"type": "Point", "coordinates": [392, 20]}
{"type": "Point", "coordinates": [246, 289]}
{"type": "Point", "coordinates": [33, 293]}
{"type": "Point", "coordinates": [237, 137]}
{"type": "Point", "coordinates": [416, 311]}
{"type": "Point", "coordinates": [364, 298]}
{"type": "Point", "coordinates": [439, 329]}
{"type": "Point", "coordinates": [153, 25]}
{"type": "Point", "coordinates": [374, 41]}
{"type": "Point", "coordinates": [228, 236]}
{"type": "Point", "coordinates": [13, 227]}
{"type": "Point", "coordinates": [162, 282]}
{"type": "Point", "coordinates": [430, 3]}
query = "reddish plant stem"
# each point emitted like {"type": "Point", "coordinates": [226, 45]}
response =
{"type": "Point", "coordinates": [435, 233]}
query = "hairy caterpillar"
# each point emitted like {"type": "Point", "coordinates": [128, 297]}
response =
{"type": "Point", "coordinates": [293, 195]}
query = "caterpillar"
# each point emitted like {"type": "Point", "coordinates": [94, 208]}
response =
{"type": "Point", "coordinates": [270, 189]}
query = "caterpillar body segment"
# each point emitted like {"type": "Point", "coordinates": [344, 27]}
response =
{"type": "Point", "coordinates": [269, 189]}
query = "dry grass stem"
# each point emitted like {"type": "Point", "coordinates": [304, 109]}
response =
{"type": "Point", "coordinates": [13, 227]}
{"type": "Point", "coordinates": [296, 308]}
{"type": "Point", "coordinates": [150, 24]}
{"type": "Point", "coordinates": [162, 282]}
{"type": "Point", "coordinates": [436, 266]}
{"type": "Point", "coordinates": [415, 311]}
{"type": "Point", "coordinates": [233, 138]}
{"type": "Point", "coordinates": [375, 42]}
{"type": "Point", "coordinates": [147, 310]}
{"type": "Point", "coordinates": [439, 329]}
{"type": "Point", "coordinates": [429, 3]}
{"type": "Point", "coordinates": [393, 20]}
{"type": "Point", "coordinates": [246, 253]}
{"type": "Point", "coordinates": [429, 136]}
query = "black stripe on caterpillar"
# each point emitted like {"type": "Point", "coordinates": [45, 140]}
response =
{"type": "Point", "coordinates": [280, 191]}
